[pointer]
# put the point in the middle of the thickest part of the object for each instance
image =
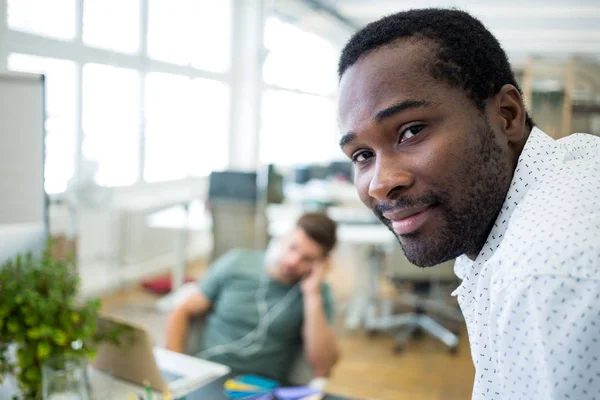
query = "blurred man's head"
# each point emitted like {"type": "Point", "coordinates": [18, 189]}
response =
{"type": "Point", "coordinates": [432, 118]}
{"type": "Point", "coordinates": [310, 242]}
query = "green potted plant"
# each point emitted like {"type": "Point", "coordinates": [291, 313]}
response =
{"type": "Point", "coordinates": [40, 317]}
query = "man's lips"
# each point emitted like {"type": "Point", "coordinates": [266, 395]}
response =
{"type": "Point", "coordinates": [408, 220]}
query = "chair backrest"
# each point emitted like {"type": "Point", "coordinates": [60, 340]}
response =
{"type": "Point", "coordinates": [237, 215]}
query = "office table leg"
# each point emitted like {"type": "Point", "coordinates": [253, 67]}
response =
{"type": "Point", "coordinates": [376, 259]}
{"type": "Point", "coordinates": [178, 272]}
{"type": "Point", "coordinates": [358, 303]}
{"type": "Point", "coordinates": [363, 307]}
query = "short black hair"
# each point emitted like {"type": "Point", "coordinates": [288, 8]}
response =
{"type": "Point", "coordinates": [468, 55]}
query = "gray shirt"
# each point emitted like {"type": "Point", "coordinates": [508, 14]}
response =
{"type": "Point", "coordinates": [231, 285]}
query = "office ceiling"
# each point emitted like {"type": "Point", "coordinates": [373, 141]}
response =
{"type": "Point", "coordinates": [549, 28]}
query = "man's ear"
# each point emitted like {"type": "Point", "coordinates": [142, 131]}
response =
{"type": "Point", "coordinates": [508, 113]}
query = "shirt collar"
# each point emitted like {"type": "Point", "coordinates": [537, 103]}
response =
{"type": "Point", "coordinates": [536, 159]}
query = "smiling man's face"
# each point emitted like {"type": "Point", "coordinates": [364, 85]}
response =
{"type": "Point", "coordinates": [427, 162]}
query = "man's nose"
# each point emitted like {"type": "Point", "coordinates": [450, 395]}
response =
{"type": "Point", "coordinates": [389, 175]}
{"type": "Point", "coordinates": [295, 259]}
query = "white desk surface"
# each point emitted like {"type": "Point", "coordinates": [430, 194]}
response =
{"type": "Point", "coordinates": [320, 190]}
{"type": "Point", "coordinates": [198, 218]}
{"type": "Point", "coordinates": [281, 221]}
{"type": "Point", "coordinates": [354, 225]}
{"type": "Point", "coordinates": [349, 234]}
{"type": "Point", "coordinates": [150, 201]}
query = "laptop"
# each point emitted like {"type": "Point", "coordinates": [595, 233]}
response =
{"type": "Point", "coordinates": [136, 360]}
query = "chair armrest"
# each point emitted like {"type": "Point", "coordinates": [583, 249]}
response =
{"type": "Point", "coordinates": [194, 335]}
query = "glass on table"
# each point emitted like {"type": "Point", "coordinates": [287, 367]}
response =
{"type": "Point", "coordinates": [64, 378]}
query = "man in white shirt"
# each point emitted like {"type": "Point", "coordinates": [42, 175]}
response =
{"type": "Point", "coordinates": [448, 158]}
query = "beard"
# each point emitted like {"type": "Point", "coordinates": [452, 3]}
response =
{"type": "Point", "coordinates": [468, 207]}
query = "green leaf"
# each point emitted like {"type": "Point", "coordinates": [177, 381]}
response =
{"type": "Point", "coordinates": [60, 338]}
{"type": "Point", "coordinates": [31, 320]}
{"type": "Point", "coordinates": [43, 350]}
{"type": "Point", "coordinates": [91, 353]}
{"type": "Point", "coordinates": [32, 374]}
{"type": "Point", "coordinates": [13, 326]}
{"type": "Point", "coordinates": [4, 310]}
{"type": "Point", "coordinates": [34, 333]}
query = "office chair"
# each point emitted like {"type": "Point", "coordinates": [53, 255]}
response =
{"type": "Point", "coordinates": [236, 213]}
{"type": "Point", "coordinates": [427, 300]}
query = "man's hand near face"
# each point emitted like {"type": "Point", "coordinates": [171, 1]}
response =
{"type": "Point", "coordinates": [312, 283]}
{"type": "Point", "coordinates": [319, 337]}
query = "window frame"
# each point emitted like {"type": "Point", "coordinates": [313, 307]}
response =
{"type": "Point", "coordinates": [13, 41]}
{"type": "Point", "coordinates": [266, 87]}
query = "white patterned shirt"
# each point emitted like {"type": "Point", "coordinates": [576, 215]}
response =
{"type": "Point", "coordinates": [531, 299]}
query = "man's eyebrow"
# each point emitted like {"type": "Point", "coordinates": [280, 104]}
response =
{"type": "Point", "coordinates": [347, 139]}
{"type": "Point", "coordinates": [386, 113]}
{"type": "Point", "coordinates": [402, 106]}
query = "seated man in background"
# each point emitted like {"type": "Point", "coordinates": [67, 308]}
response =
{"type": "Point", "coordinates": [263, 308]}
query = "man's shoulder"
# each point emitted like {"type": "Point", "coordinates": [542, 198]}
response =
{"type": "Point", "coordinates": [554, 229]}
{"type": "Point", "coordinates": [553, 237]}
{"type": "Point", "coordinates": [566, 195]}
{"type": "Point", "coordinates": [581, 146]}
{"type": "Point", "coordinates": [239, 259]}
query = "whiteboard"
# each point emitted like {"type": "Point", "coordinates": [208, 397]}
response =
{"type": "Point", "coordinates": [23, 202]}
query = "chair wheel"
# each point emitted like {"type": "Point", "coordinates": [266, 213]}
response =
{"type": "Point", "coordinates": [371, 333]}
{"type": "Point", "coordinates": [453, 350]}
{"type": "Point", "coordinates": [398, 349]}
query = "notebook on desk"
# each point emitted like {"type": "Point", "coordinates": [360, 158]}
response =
{"type": "Point", "coordinates": [136, 360]}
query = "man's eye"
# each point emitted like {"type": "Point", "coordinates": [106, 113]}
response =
{"type": "Point", "coordinates": [361, 156]}
{"type": "Point", "coordinates": [411, 131]}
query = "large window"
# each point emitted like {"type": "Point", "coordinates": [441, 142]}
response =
{"type": "Point", "coordinates": [201, 30]}
{"type": "Point", "coordinates": [54, 18]}
{"type": "Point", "coordinates": [297, 128]}
{"type": "Point", "coordinates": [298, 110]}
{"type": "Point", "coordinates": [118, 89]}
{"type": "Point", "coordinates": [123, 18]}
{"type": "Point", "coordinates": [110, 119]}
{"type": "Point", "coordinates": [299, 60]}
{"type": "Point", "coordinates": [187, 126]}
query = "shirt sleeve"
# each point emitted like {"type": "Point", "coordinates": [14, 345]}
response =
{"type": "Point", "coordinates": [328, 303]}
{"type": "Point", "coordinates": [548, 338]}
{"type": "Point", "coordinates": [212, 282]}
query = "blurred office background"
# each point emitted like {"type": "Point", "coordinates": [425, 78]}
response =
{"type": "Point", "coordinates": [149, 102]}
